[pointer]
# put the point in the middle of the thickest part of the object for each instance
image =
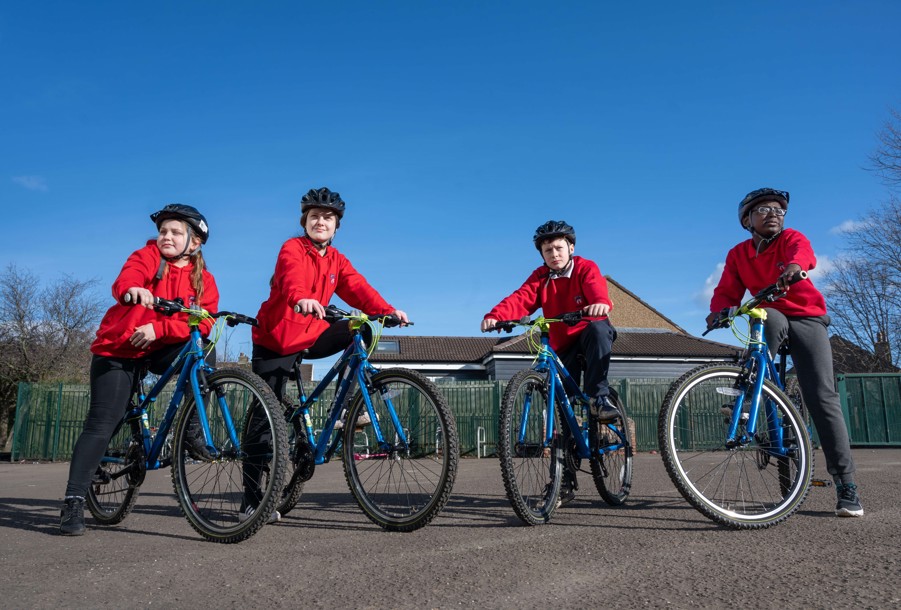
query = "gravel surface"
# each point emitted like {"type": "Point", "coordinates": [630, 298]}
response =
{"type": "Point", "coordinates": [656, 551]}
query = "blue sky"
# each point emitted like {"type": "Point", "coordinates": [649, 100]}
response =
{"type": "Point", "coordinates": [452, 129]}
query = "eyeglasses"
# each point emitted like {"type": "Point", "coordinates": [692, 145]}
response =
{"type": "Point", "coordinates": [765, 210]}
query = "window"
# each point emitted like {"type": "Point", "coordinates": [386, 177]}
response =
{"type": "Point", "coordinates": [388, 347]}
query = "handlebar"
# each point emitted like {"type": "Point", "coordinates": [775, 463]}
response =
{"type": "Point", "coordinates": [334, 314]}
{"type": "Point", "coordinates": [570, 319]}
{"type": "Point", "coordinates": [168, 308]}
{"type": "Point", "coordinates": [769, 294]}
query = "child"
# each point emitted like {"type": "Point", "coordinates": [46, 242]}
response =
{"type": "Point", "coordinates": [171, 266]}
{"type": "Point", "coordinates": [773, 255]}
{"type": "Point", "coordinates": [566, 283]}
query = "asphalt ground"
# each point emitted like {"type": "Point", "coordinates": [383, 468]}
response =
{"type": "Point", "coordinates": [656, 551]}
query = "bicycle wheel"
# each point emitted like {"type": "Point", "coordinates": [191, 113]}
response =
{"type": "Point", "coordinates": [300, 467]}
{"type": "Point", "coordinates": [532, 471]}
{"type": "Point", "coordinates": [401, 486]}
{"type": "Point", "coordinates": [749, 485]}
{"type": "Point", "coordinates": [114, 487]}
{"type": "Point", "coordinates": [247, 469]}
{"type": "Point", "coordinates": [612, 469]}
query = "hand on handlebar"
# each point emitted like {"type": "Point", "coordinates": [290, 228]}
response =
{"type": "Point", "coordinates": [596, 310]}
{"type": "Point", "coordinates": [792, 274]}
{"type": "Point", "coordinates": [489, 324]}
{"type": "Point", "coordinates": [308, 307]}
{"type": "Point", "coordinates": [138, 296]}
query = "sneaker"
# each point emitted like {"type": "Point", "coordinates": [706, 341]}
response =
{"type": "Point", "coordinates": [362, 420]}
{"type": "Point", "coordinates": [848, 501]}
{"type": "Point", "coordinates": [567, 495]}
{"type": "Point", "coordinates": [197, 448]}
{"type": "Point", "coordinates": [71, 517]}
{"type": "Point", "coordinates": [195, 443]}
{"type": "Point", "coordinates": [248, 512]}
{"type": "Point", "coordinates": [606, 411]}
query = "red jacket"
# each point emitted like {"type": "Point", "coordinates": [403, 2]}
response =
{"type": "Point", "coordinates": [746, 270]}
{"type": "Point", "coordinates": [301, 273]}
{"type": "Point", "coordinates": [583, 287]}
{"type": "Point", "coordinates": [120, 321]}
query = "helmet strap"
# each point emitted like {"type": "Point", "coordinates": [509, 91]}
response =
{"type": "Point", "coordinates": [765, 241]}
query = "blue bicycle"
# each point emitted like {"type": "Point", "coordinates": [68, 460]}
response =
{"type": "Point", "coordinates": [222, 428]}
{"type": "Point", "coordinates": [398, 436]}
{"type": "Point", "coordinates": [540, 433]}
{"type": "Point", "coordinates": [733, 442]}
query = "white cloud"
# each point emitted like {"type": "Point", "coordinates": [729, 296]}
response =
{"type": "Point", "coordinates": [32, 183]}
{"type": "Point", "coordinates": [848, 226]}
{"type": "Point", "coordinates": [824, 266]}
{"type": "Point", "coordinates": [705, 294]}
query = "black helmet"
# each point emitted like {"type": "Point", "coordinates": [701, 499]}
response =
{"type": "Point", "coordinates": [554, 228]}
{"type": "Point", "coordinates": [323, 198]}
{"type": "Point", "coordinates": [759, 196]}
{"type": "Point", "coordinates": [189, 214]}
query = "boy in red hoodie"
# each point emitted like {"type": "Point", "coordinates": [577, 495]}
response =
{"type": "Point", "coordinates": [563, 284]}
{"type": "Point", "coordinates": [773, 255]}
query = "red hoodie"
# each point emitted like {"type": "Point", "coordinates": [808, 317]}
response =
{"type": "Point", "coordinates": [120, 321]}
{"type": "Point", "coordinates": [746, 270]}
{"type": "Point", "coordinates": [301, 273]}
{"type": "Point", "coordinates": [584, 286]}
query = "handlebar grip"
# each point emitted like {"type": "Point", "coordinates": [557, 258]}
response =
{"type": "Point", "coordinates": [800, 275]}
{"type": "Point", "coordinates": [126, 300]}
{"type": "Point", "coordinates": [297, 309]}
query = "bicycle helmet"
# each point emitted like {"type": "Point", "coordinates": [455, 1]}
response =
{"type": "Point", "coordinates": [323, 198]}
{"type": "Point", "coordinates": [551, 229]}
{"type": "Point", "coordinates": [187, 213]}
{"type": "Point", "coordinates": [760, 196]}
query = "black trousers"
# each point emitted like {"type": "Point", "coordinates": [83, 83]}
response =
{"type": "Point", "coordinates": [594, 346]}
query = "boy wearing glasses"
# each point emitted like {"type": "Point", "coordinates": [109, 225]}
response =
{"type": "Point", "coordinates": [773, 255]}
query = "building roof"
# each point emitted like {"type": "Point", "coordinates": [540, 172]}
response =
{"type": "Point", "coordinates": [848, 357]}
{"type": "Point", "coordinates": [473, 350]}
{"type": "Point", "coordinates": [629, 311]}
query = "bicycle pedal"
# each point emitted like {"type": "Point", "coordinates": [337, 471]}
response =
{"type": "Point", "coordinates": [820, 483]}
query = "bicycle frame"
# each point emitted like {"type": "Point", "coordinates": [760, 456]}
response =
{"type": "Point", "coordinates": [191, 367]}
{"type": "Point", "coordinates": [563, 384]}
{"type": "Point", "coordinates": [356, 360]}
{"type": "Point", "coordinates": [758, 354]}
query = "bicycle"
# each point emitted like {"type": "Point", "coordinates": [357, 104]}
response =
{"type": "Point", "coordinates": [733, 442]}
{"type": "Point", "coordinates": [538, 431]}
{"type": "Point", "coordinates": [204, 438]}
{"type": "Point", "coordinates": [399, 437]}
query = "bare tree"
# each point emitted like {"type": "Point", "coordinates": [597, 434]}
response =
{"type": "Point", "coordinates": [865, 302]}
{"type": "Point", "coordinates": [44, 334]}
{"type": "Point", "coordinates": [886, 161]}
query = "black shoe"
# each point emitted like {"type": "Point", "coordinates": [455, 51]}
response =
{"type": "Point", "coordinates": [567, 495]}
{"type": "Point", "coordinates": [196, 444]}
{"type": "Point", "coordinates": [606, 411]}
{"type": "Point", "coordinates": [848, 501]}
{"type": "Point", "coordinates": [71, 517]}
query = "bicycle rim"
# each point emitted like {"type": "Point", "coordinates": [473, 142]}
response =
{"type": "Point", "coordinates": [752, 485]}
{"type": "Point", "coordinates": [612, 469]}
{"type": "Point", "coordinates": [401, 486]}
{"type": "Point", "coordinates": [531, 471]}
{"type": "Point", "coordinates": [114, 486]}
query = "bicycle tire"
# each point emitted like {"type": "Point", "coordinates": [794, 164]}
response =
{"type": "Point", "coordinates": [532, 473]}
{"type": "Point", "coordinates": [750, 486]}
{"type": "Point", "coordinates": [401, 488]}
{"type": "Point", "coordinates": [300, 467]}
{"type": "Point", "coordinates": [612, 470]}
{"type": "Point", "coordinates": [214, 493]}
{"type": "Point", "coordinates": [115, 484]}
